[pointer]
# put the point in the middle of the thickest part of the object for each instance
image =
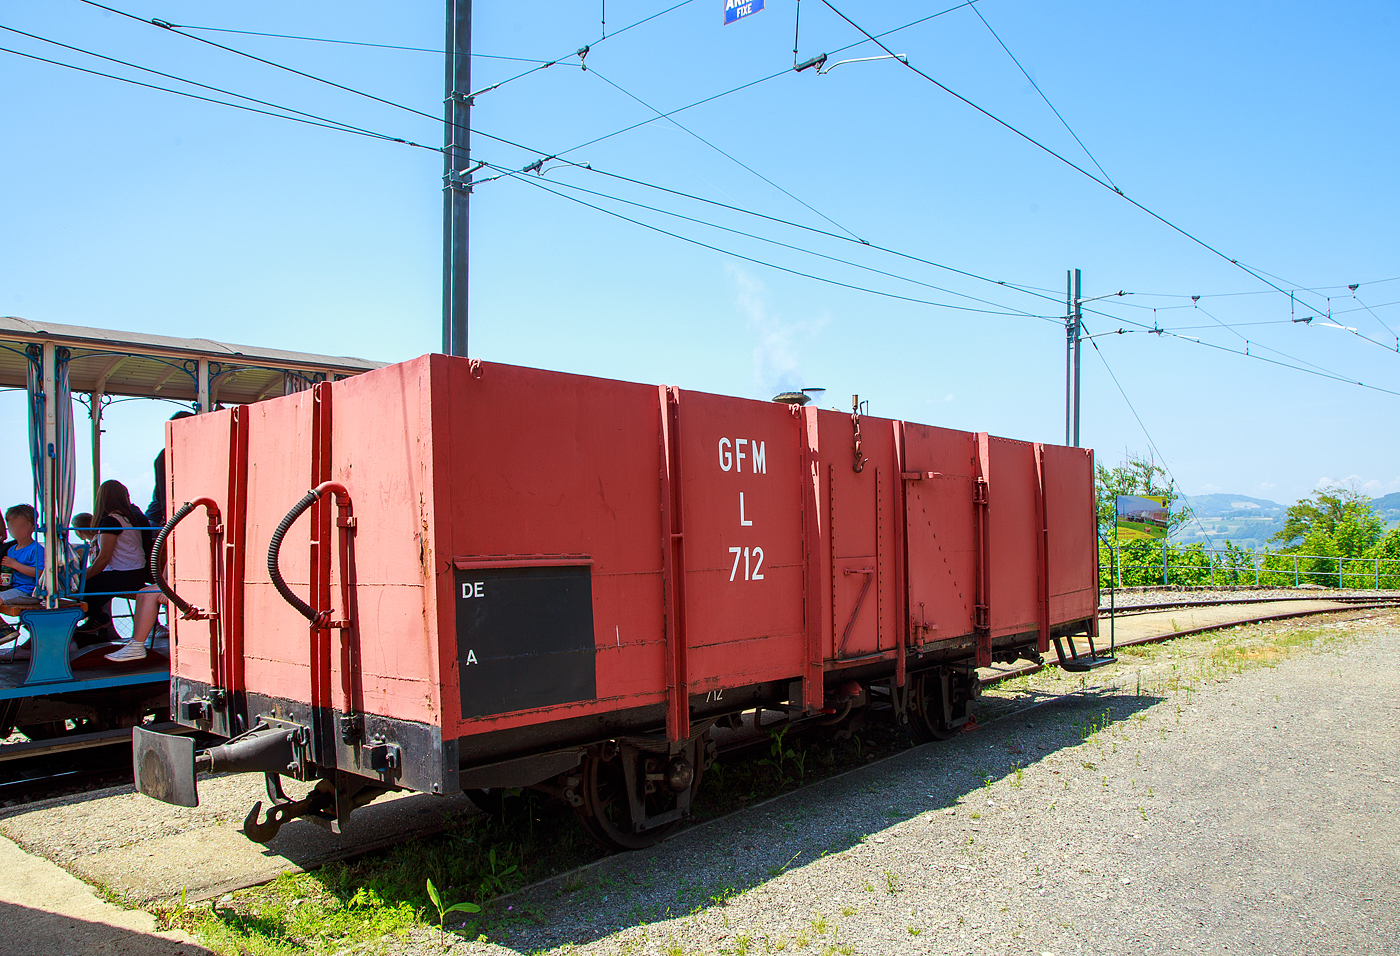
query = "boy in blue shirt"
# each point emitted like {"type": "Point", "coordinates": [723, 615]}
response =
{"type": "Point", "coordinates": [25, 556]}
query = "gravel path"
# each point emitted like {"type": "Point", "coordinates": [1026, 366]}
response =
{"type": "Point", "coordinates": [1253, 814]}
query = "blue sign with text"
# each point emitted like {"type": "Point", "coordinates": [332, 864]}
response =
{"type": "Point", "coordinates": [736, 10]}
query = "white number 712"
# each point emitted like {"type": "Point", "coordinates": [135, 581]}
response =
{"type": "Point", "coordinates": [754, 575]}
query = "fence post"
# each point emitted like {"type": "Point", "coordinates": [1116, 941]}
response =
{"type": "Point", "coordinates": [1295, 570]}
{"type": "Point", "coordinates": [1378, 574]}
{"type": "Point", "coordinates": [1340, 579]}
{"type": "Point", "coordinates": [1164, 563]}
{"type": "Point", "coordinates": [1210, 556]}
{"type": "Point", "coordinates": [1259, 563]}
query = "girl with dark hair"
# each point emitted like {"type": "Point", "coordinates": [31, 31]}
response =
{"type": "Point", "coordinates": [120, 565]}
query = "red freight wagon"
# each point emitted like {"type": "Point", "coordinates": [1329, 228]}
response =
{"type": "Point", "coordinates": [509, 577]}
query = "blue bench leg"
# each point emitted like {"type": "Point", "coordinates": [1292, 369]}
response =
{"type": "Point", "coordinates": [49, 634]}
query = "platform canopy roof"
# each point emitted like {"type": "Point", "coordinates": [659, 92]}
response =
{"type": "Point", "coordinates": [162, 366]}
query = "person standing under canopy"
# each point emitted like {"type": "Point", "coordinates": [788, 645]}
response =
{"type": "Point", "coordinates": [155, 511]}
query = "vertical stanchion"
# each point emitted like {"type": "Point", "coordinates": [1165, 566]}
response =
{"type": "Point", "coordinates": [456, 179]}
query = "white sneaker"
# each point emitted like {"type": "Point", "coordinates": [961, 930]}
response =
{"type": "Point", "coordinates": [132, 651]}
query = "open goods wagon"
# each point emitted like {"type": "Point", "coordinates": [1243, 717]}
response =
{"type": "Point", "coordinates": [507, 577]}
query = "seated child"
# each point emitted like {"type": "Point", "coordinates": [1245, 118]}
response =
{"type": "Point", "coordinates": [82, 527]}
{"type": "Point", "coordinates": [24, 558]}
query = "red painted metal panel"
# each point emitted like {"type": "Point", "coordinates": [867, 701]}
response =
{"type": "Point", "coordinates": [1071, 520]}
{"type": "Point", "coordinates": [743, 541]}
{"type": "Point", "coordinates": [535, 462]}
{"type": "Point", "coordinates": [380, 429]}
{"type": "Point", "coordinates": [728, 542]}
{"type": "Point", "coordinates": [860, 612]}
{"type": "Point", "coordinates": [940, 531]}
{"type": "Point", "coordinates": [197, 464]}
{"type": "Point", "coordinates": [1013, 505]}
{"type": "Point", "coordinates": [276, 653]}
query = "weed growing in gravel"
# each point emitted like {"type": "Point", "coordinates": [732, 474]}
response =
{"type": "Point", "coordinates": [295, 914]}
{"type": "Point", "coordinates": [442, 911]}
{"type": "Point", "coordinates": [891, 882]}
{"type": "Point", "coordinates": [848, 910]}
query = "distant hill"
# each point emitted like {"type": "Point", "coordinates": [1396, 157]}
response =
{"type": "Point", "coordinates": [1219, 506]}
{"type": "Point", "coordinates": [1246, 522]}
{"type": "Point", "coordinates": [1250, 522]}
{"type": "Point", "coordinates": [1388, 507]}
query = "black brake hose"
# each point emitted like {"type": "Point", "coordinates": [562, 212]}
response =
{"type": "Point", "coordinates": [157, 565]}
{"type": "Point", "coordinates": [275, 546]}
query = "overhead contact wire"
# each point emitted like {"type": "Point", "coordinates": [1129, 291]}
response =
{"type": "Point", "coordinates": [1155, 450]}
{"type": "Point", "coordinates": [519, 177]}
{"type": "Point", "coordinates": [1036, 85]}
{"type": "Point", "coordinates": [726, 155]}
{"type": "Point", "coordinates": [331, 124]}
{"type": "Point", "coordinates": [204, 86]}
{"type": "Point", "coordinates": [749, 235]}
{"type": "Point", "coordinates": [1039, 145]}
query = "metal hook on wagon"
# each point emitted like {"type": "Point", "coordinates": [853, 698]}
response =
{"type": "Point", "coordinates": [859, 464]}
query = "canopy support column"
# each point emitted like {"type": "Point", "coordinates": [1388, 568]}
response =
{"type": "Point", "coordinates": [203, 384]}
{"type": "Point", "coordinates": [53, 550]}
{"type": "Point", "coordinates": [95, 413]}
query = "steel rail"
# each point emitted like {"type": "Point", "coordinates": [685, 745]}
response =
{"type": "Point", "coordinates": [1220, 602]}
{"type": "Point", "coordinates": [1217, 626]}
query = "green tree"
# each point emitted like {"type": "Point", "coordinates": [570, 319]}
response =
{"type": "Point", "coordinates": [1331, 521]}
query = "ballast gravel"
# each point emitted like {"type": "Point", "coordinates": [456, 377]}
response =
{"type": "Point", "coordinates": [1253, 814]}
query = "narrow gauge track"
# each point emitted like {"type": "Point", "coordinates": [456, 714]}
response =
{"type": "Point", "coordinates": [64, 766]}
{"type": "Point", "coordinates": [61, 766]}
{"type": "Point", "coordinates": [25, 779]}
{"type": "Point", "coordinates": [1123, 609]}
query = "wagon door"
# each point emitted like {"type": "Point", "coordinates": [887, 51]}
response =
{"type": "Point", "coordinates": [940, 531]}
{"type": "Point", "coordinates": [1012, 509]}
{"type": "Point", "coordinates": [1070, 520]}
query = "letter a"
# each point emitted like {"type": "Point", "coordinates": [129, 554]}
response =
{"type": "Point", "coordinates": [471, 657]}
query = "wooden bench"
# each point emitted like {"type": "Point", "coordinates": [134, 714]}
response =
{"type": "Point", "coordinates": [50, 630]}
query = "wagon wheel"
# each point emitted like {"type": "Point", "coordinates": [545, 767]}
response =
{"type": "Point", "coordinates": [606, 812]}
{"type": "Point", "coordinates": [929, 719]}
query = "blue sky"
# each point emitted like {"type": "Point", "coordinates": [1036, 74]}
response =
{"type": "Point", "coordinates": [1269, 132]}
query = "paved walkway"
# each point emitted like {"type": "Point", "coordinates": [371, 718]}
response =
{"type": "Point", "coordinates": [46, 912]}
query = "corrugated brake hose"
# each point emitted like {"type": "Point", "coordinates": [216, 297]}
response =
{"type": "Point", "coordinates": [275, 547]}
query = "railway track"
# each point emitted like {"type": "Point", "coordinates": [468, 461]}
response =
{"type": "Point", "coordinates": [1126, 609]}
{"type": "Point", "coordinates": [42, 769]}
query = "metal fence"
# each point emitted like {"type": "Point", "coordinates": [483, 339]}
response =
{"type": "Point", "coordinates": [1199, 566]}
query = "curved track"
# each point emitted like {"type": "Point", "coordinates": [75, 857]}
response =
{"type": "Point", "coordinates": [44, 769]}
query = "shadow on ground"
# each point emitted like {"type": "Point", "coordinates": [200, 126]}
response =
{"type": "Point", "coordinates": [33, 932]}
{"type": "Point", "coordinates": [709, 862]}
